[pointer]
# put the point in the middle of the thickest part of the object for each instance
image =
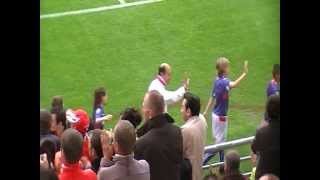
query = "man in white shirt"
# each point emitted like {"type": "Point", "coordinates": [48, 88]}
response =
{"type": "Point", "coordinates": [162, 80]}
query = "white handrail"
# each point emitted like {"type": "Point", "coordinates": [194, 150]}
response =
{"type": "Point", "coordinates": [221, 163]}
{"type": "Point", "coordinates": [229, 144]}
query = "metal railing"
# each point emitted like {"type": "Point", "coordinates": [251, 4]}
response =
{"type": "Point", "coordinates": [228, 145]}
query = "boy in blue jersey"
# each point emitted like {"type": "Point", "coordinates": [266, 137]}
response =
{"type": "Point", "coordinates": [274, 85]}
{"type": "Point", "coordinates": [220, 93]}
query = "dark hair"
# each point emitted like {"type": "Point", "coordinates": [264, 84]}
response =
{"type": "Point", "coordinates": [98, 94]}
{"type": "Point", "coordinates": [61, 117]}
{"type": "Point", "coordinates": [232, 160]}
{"type": "Point", "coordinates": [47, 146]}
{"type": "Point", "coordinates": [273, 108]}
{"type": "Point", "coordinates": [210, 177]}
{"type": "Point", "coordinates": [47, 174]}
{"type": "Point", "coordinates": [45, 120]}
{"type": "Point", "coordinates": [161, 70]}
{"type": "Point", "coordinates": [156, 101]}
{"type": "Point", "coordinates": [276, 69]}
{"type": "Point", "coordinates": [95, 142]}
{"type": "Point", "coordinates": [71, 144]}
{"type": "Point", "coordinates": [192, 103]}
{"type": "Point", "coordinates": [56, 104]}
{"type": "Point", "coordinates": [132, 115]}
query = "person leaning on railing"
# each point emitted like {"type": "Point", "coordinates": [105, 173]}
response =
{"type": "Point", "coordinates": [267, 141]}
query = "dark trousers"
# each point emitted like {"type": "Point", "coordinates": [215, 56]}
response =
{"type": "Point", "coordinates": [209, 155]}
{"type": "Point", "coordinates": [186, 170]}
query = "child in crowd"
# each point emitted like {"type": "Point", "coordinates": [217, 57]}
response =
{"type": "Point", "coordinates": [98, 114]}
{"type": "Point", "coordinates": [220, 93]}
{"type": "Point", "coordinates": [56, 108]}
{"type": "Point", "coordinates": [56, 104]}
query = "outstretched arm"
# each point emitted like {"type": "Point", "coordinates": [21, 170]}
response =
{"type": "Point", "coordinates": [172, 97]}
{"type": "Point", "coordinates": [235, 83]}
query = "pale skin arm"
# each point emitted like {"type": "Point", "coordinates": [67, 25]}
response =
{"type": "Point", "coordinates": [104, 118]}
{"type": "Point", "coordinates": [209, 105]}
{"type": "Point", "coordinates": [235, 83]}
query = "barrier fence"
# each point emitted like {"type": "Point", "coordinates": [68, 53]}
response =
{"type": "Point", "coordinates": [228, 145]}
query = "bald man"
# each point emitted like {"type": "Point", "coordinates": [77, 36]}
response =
{"type": "Point", "coordinates": [162, 80]}
{"type": "Point", "coordinates": [122, 165]}
{"type": "Point", "coordinates": [160, 141]}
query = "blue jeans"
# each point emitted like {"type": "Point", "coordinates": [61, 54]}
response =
{"type": "Point", "coordinates": [209, 154]}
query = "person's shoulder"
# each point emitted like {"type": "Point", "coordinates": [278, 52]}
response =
{"type": "Point", "coordinates": [89, 174]}
{"type": "Point", "coordinates": [144, 140]}
{"type": "Point", "coordinates": [106, 172]}
{"type": "Point", "coordinates": [154, 83]}
{"type": "Point", "coordinates": [143, 164]}
{"type": "Point", "coordinates": [172, 127]}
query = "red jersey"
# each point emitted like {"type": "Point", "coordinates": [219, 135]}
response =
{"type": "Point", "coordinates": [74, 172]}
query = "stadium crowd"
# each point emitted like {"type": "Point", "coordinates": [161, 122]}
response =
{"type": "Point", "coordinates": [148, 145]}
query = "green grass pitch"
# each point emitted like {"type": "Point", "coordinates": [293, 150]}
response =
{"type": "Point", "coordinates": [121, 49]}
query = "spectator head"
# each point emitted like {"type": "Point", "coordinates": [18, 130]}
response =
{"type": "Point", "coordinates": [165, 72]}
{"type": "Point", "coordinates": [48, 147]}
{"type": "Point", "coordinates": [56, 104]}
{"type": "Point", "coordinates": [61, 122]}
{"type": "Point", "coordinates": [45, 121]}
{"type": "Point", "coordinates": [276, 72]}
{"type": "Point", "coordinates": [100, 97]}
{"type": "Point", "coordinates": [190, 106]}
{"type": "Point", "coordinates": [268, 177]}
{"type": "Point", "coordinates": [153, 104]}
{"type": "Point", "coordinates": [95, 144]}
{"type": "Point", "coordinates": [132, 115]}
{"type": "Point", "coordinates": [273, 108]}
{"type": "Point", "coordinates": [124, 138]}
{"type": "Point", "coordinates": [210, 177]}
{"type": "Point", "coordinates": [71, 146]}
{"type": "Point", "coordinates": [47, 174]}
{"type": "Point", "coordinates": [232, 161]}
{"type": "Point", "coordinates": [222, 66]}
{"type": "Point", "coordinates": [78, 119]}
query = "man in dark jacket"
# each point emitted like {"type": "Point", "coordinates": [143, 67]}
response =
{"type": "Point", "coordinates": [267, 141]}
{"type": "Point", "coordinates": [160, 142]}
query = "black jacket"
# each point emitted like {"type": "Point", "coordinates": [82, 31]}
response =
{"type": "Point", "coordinates": [160, 144]}
{"type": "Point", "coordinates": [267, 147]}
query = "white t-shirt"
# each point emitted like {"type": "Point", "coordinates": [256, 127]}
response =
{"type": "Point", "coordinates": [170, 97]}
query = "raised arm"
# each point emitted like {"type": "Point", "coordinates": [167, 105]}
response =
{"type": "Point", "coordinates": [171, 97]}
{"type": "Point", "coordinates": [235, 83]}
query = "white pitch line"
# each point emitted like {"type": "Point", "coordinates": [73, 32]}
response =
{"type": "Point", "coordinates": [98, 9]}
{"type": "Point", "coordinates": [122, 1]}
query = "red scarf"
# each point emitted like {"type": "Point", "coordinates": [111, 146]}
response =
{"type": "Point", "coordinates": [161, 80]}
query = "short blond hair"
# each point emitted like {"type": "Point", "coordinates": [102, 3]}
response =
{"type": "Point", "coordinates": [221, 65]}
